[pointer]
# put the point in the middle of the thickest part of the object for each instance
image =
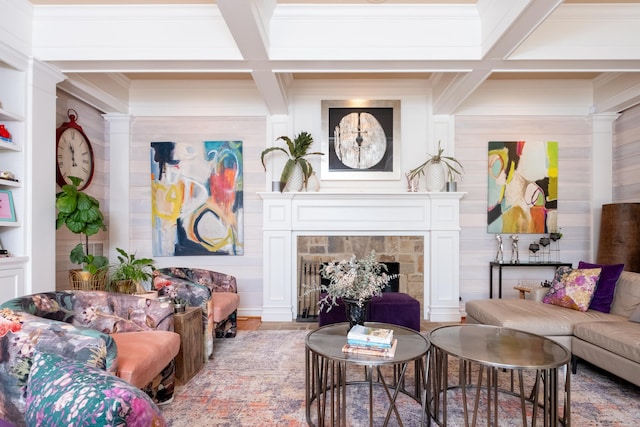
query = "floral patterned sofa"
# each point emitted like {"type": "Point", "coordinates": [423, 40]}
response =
{"type": "Point", "coordinates": [125, 335]}
{"type": "Point", "coordinates": [216, 293]}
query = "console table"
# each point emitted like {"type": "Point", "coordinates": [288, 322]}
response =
{"type": "Point", "coordinates": [502, 265]}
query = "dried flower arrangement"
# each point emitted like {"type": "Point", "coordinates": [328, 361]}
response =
{"type": "Point", "coordinates": [355, 279]}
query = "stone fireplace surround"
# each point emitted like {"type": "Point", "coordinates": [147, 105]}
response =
{"type": "Point", "coordinates": [434, 216]}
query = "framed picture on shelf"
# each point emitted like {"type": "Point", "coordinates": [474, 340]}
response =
{"type": "Point", "coordinates": [361, 140]}
{"type": "Point", "coordinates": [7, 210]}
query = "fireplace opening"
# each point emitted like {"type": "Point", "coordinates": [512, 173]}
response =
{"type": "Point", "coordinates": [310, 279]}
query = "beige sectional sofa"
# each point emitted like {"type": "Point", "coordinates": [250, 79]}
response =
{"type": "Point", "coordinates": [608, 340]}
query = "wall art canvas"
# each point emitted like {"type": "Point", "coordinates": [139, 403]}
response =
{"type": "Point", "coordinates": [523, 187]}
{"type": "Point", "coordinates": [197, 198]}
{"type": "Point", "coordinates": [361, 139]}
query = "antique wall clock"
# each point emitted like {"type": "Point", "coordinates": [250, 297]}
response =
{"type": "Point", "coordinates": [74, 154]}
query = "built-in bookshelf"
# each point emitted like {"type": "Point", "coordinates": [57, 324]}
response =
{"type": "Point", "coordinates": [12, 193]}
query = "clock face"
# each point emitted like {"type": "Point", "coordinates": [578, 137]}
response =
{"type": "Point", "coordinates": [74, 158]}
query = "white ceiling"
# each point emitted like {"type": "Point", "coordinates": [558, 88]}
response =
{"type": "Point", "coordinates": [516, 39]}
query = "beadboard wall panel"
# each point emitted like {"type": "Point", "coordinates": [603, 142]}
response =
{"type": "Point", "coordinates": [626, 157]}
{"type": "Point", "coordinates": [93, 125]}
{"type": "Point", "coordinates": [251, 131]}
{"type": "Point", "coordinates": [477, 247]}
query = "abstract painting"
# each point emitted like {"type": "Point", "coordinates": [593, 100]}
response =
{"type": "Point", "coordinates": [523, 187]}
{"type": "Point", "coordinates": [197, 199]}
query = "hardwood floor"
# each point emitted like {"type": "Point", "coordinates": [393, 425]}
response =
{"type": "Point", "coordinates": [255, 323]}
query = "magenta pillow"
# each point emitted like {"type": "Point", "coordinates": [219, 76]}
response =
{"type": "Point", "coordinates": [603, 297]}
{"type": "Point", "coordinates": [573, 289]}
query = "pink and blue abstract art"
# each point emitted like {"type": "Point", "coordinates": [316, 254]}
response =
{"type": "Point", "coordinates": [197, 198]}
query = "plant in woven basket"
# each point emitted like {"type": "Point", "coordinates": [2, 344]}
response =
{"type": "Point", "coordinates": [137, 271]}
{"type": "Point", "coordinates": [354, 279]}
{"type": "Point", "coordinates": [81, 214]}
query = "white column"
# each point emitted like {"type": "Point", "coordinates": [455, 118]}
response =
{"type": "Point", "coordinates": [118, 131]}
{"type": "Point", "coordinates": [278, 258]}
{"type": "Point", "coordinates": [40, 180]}
{"type": "Point", "coordinates": [442, 275]}
{"type": "Point", "coordinates": [601, 172]}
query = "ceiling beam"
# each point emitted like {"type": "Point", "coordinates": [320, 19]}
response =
{"type": "Point", "coordinates": [522, 23]}
{"type": "Point", "coordinates": [248, 22]}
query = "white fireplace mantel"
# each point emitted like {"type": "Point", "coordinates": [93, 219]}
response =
{"type": "Point", "coordinates": [435, 216]}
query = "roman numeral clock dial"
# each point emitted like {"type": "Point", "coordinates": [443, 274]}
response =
{"type": "Point", "coordinates": [74, 154]}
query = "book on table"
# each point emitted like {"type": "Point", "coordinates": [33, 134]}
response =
{"type": "Point", "coordinates": [371, 350]}
{"type": "Point", "coordinates": [367, 335]}
{"type": "Point", "coordinates": [360, 343]}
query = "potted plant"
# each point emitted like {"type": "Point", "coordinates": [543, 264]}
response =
{"type": "Point", "coordinates": [355, 281]}
{"type": "Point", "coordinates": [180, 305]}
{"type": "Point", "coordinates": [296, 150]}
{"type": "Point", "coordinates": [128, 275]}
{"type": "Point", "coordinates": [438, 168]}
{"type": "Point", "coordinates": [81, 214]}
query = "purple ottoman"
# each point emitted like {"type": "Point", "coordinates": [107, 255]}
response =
{"type": "Point", "coordinates": [395, 308]}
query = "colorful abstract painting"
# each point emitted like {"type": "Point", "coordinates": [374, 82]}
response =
{"type": "Point", "coordinates": [196, 198]}
{"type": "Point", "coordinates": [523, 187]}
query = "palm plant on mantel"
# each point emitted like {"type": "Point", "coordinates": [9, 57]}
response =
{"type": "Point", "coordinates": [297, 150]}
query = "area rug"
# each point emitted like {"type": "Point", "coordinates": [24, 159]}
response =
{"type": "Point", "coordinates": [257, 379]}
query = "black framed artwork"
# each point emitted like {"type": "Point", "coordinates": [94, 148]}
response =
{"type": "Point", "coordinates": [361, 140]}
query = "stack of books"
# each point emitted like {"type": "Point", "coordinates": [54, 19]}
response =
{"type": "Point", "coordinates": [370, 341]}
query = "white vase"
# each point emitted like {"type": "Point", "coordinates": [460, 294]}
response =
{"type": "Point", "coordinates": [313, 183]}
{"type": "Point", "coordinates": [436, 177]}
{"type": "Point", "coordinates": [296, 180]}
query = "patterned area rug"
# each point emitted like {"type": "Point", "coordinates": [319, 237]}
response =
{"type": "Point", "coordinates": [257, 379]}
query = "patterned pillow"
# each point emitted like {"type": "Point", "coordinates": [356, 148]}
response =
{"type": "Point", "coordinates": [603, 297]}
{"type": "Point", "coordinates": [61, 391]}
{"type": "Point", "coordinates": [573, 288]}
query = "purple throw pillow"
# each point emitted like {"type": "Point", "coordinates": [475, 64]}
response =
{"type": "Point", "coordinates": [603, 296]}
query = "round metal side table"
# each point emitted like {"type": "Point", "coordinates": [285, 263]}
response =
{"type": "Point", "coordinates": [326, 372]}
{"type": "Point", "coordinates": [491, 349]}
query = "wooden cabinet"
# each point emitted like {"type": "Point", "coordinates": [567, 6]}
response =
{"type": "Point", "coordinates": [191, 355]}
{"type": "Point", "coordinates": [620, 235]}
{"type": "Point", "coordinates": [11, 282]}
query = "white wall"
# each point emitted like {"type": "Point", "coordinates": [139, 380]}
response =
{"type": "Point", "coordinates": [503, 110]}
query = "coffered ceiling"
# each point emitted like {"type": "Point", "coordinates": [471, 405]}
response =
{"type": "Point", "coordinates": [455, 44]}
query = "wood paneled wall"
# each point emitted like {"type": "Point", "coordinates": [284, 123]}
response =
{"type": "Point", "coordinates": [477, 247]}
{"type": "Point", "coordinates": [251, 131]}
{"type": "Point", "coordinates": [93, 125]}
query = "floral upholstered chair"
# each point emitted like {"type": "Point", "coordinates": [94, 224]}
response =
{"type": "Point", "coordinates": [216, 293]}
{"type": "Point", "coordinates": [140, 345]}
{"type": "Point", "coordinates": [52, 373]}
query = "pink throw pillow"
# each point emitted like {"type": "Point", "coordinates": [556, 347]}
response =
{"type": "Point", "coordinates": [573, 288]}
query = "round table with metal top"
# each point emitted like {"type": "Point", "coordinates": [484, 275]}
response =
{"type": "Point", "coordinates": [326, 372]}
{"type": "Point", "coordinates": [492, 349]}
